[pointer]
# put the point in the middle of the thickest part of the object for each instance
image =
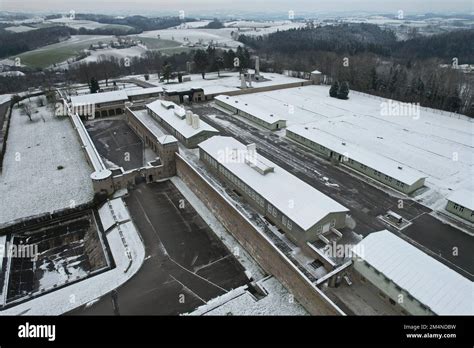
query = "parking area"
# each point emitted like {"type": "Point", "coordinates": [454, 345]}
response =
{"type": "Point", "coordinates": [185, 266]}
{"type": "Point", "coordinates": [117, 143]}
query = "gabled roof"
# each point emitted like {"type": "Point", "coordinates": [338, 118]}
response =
{"type": "Point", "coordinates": [300, 202]}
{"type": "Point", "coordinates": [464, 198]}
{"type": "Point", "coordinates": [442, 290]}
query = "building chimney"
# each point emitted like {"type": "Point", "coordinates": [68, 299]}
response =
{"type": "Point", "coordinates": [257, 66]}
{"type": "Point", "coordinates": [189, 117]}
{"type": "Point", "coordinates": [250, 81]}
{"type": "Point", "coordinates": [195, 122]}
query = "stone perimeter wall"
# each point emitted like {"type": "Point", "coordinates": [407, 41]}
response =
{"type": "Point", "coordinates": [272, 260]}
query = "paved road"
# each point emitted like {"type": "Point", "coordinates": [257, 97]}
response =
{"type": "Point", "coordinates": [365, 201]}
{"type": "Point", "coordinates": [186, 264]}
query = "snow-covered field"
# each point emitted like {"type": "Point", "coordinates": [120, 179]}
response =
{"type": "Point", "coordinates": [130, 52]}
{"type": "Point", "coordinates": [438, 144]}
{"type": "Point", "coordinates": [220, 37]}
{"type": "Point", "coordinates": [77, 24]}
{"type": "Point", "coordinates": [31, 182]}
{"type": "Point", "coordinates": [19, 29]}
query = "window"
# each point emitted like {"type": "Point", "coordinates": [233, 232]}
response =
{"type": "Point", "coordinates": [289, 225]}
{"type": "Point", "coordinates": [269, 208]}
{"type": "Point", "coordinates": [333, 223]}
{"type": "Point", "coordinates": [456, 206]}
{"type": "Point", "coordinates": [283, 219]}
{"type": "Point", "coordinates": [274, 212]}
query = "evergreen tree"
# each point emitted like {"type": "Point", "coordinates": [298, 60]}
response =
{"type": "Point", "coordinates": [166, 71]}
{"type": "Point", "coordinates": [201, 61]}
{"type": "Point", "coordinates": [94, 86]}
{"type": "Point", "coordinates": [334, 89]}
{"type": "Point", "coordinates": [343, 91]}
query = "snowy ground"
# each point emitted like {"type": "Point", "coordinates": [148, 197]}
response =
{"type": "Point", "coordinates": [91, 289]}
{"type": "Point", "coordinates": [438, 144]}
{"type": "Point", "coordinates": [220, 37]}
{"type": "Point", "coordinates": [31, 182]}
{"type": "Point", "coordinates": [19, 29]}
{"type": "Point", "coordinates": [240, 302]}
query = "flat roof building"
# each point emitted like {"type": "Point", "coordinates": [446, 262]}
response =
{"type": "Point", "coordinates": [296, 208]}
{"type": "Point", "coordinates": [253, 113]}
{"type": "Point", "coordinates": [187, 127]}
{"type": "Point", "coordinates": [461, 203]}
{"type": "Point", "coordinates": [379, 168]}
{"type": "Point", "coordinates": [411, 279]}
{"type": "Point", "coordinates": [111, 103]}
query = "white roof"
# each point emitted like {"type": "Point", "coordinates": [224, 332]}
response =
{"type": "Point", "coordinates": [143, 91]}
{"type": "Point", "coordinates": [251, 109]}
{"type": "Point", "coordinates": [442, 290]}
{"type": "Point", "coordinates": [98, 98]}
{"type": "Point", "coordinates": [316, 72]}
{"type": "Point", "coordinates": [150, 123]}
{"type": "Point", "coordinates": [372, 160]}
{"type": "Point", "coordinates": [113, 96]}
{"type": "Point", "coordinates": [300, 202]}
{"type": "Point", "coordinates": [178, 124]}
{"type": "Point", "coordinates": [464, 198]}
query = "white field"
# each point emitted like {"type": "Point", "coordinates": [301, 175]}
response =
{"type": "Point", "coordinates": [77, 24]}
{"type": "Point", "coordinates": [30, 182]}
{"type": "Point", "coordinates": [439, 144]}
{"type": "Point", "coordinates": [220, 37]}
{"type": "Point", "coordinates": [130, 52]}
{"type": "Point", "coordinates": [19, 29]}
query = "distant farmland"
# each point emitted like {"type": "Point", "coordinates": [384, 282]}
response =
{"type": "Point", "coordinates": [59, 52]}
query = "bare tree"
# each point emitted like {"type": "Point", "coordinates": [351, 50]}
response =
{"type": "Point", "coordinates": [28, 110]}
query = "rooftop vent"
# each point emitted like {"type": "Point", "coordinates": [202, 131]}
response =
{"type": "Point", "coordinates": [189, 117]}
{"type": "Point", "coordinates": [167, 105]}
{"type": "Point", "coordinates": [195, 121]}
{"type": "Point", "coordinates": [256, 163]}
{"type": "Point", "coordinates": [180, 113]}
{"type": "Point", "coordinates": [399, 167]}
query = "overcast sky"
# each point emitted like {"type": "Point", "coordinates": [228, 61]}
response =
{"type": "Point", "coordinates": [236, 6]}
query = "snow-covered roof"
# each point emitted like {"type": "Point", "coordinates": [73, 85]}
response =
{"type": "Point", "coordinates": [113, 96]}
{"type": "Point", "coordinates": [464, 198]}
{"type": "Point", "coordinates": [143, 91]}
{"type": "Point", "coordinates": [99, 98]}
{"type": "Point", "coordinates": [300, 202]}
{"type": "Point", "coordinates": [316, 72]}
{"type": "Point", "coordinates": [178, 124]}
{"type": "Point", "coordinates": [442, 290]}
{"type": "Point", "coordinates": [384, 165]}
{"type": "Point", "coordinates": [149, 123]}
{"type": "Point", "coordinates": [251, 109]}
